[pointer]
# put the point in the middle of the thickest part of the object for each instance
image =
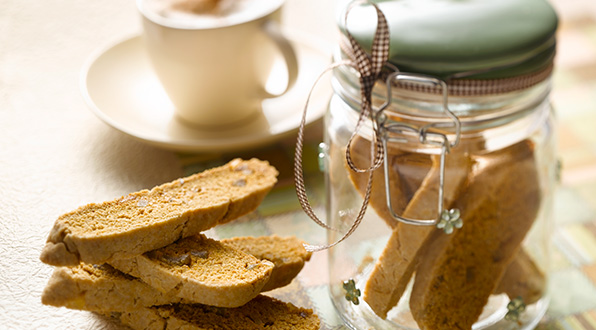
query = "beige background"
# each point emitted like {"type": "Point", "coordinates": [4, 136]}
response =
{"type": "Point", "coordinates": [55, 155]}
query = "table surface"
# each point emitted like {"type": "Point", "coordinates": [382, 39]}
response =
{"type": "Point", "coordinates": [55, 155]}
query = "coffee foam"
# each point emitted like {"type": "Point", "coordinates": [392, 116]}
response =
{"type": "Point", "coordinates": [231, 12]}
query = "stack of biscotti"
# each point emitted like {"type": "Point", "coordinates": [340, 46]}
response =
{"type": "Point", "coordinates": [136, 256]}
{"type": "Point", "coordinates": [488, 248]}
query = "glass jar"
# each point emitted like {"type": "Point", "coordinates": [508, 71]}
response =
{"type": "Point", "coordinates": [457, 229]}
{"type": "Point", "coordinates": [472, 252]}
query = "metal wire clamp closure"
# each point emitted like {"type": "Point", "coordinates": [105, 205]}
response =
{"type": "Point", "coordinates": [425, 135]}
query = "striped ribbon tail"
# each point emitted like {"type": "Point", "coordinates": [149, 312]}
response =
{"type": "Point", "coordinates": [369, 69]}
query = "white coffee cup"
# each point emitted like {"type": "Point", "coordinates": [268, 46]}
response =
{"type": "Point", "coordinates": [214, 67]}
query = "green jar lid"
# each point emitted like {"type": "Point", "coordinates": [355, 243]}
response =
{"type": "Point", "coordinates": [501, 38]}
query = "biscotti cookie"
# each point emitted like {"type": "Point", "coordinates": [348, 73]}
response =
{"type": "Point", "coordinates": [286, 253]}
{"type": "Point", "coordinates": [458, 272]}
{"type": "Point", "coordinates": [407, 170]}
{"type": "Point", "coordinates": [150, 219]}
{"type": "Point", "coordinates": [201, 270]}
{"type": "Point", "coordinates": [260, 313]}
{"type": "Point", "coordinates": [103, 288]}
{"type": "Point", "coordinates": [523, 279]}
{"type": "Point", "coordinates": [396, 264]}
{"type": "Point", "coordinates": [100, 288]}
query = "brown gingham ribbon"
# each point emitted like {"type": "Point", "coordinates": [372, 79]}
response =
{"type": "Point", "coordinates": [369, 69]}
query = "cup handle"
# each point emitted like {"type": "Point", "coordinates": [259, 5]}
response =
{"type": "Point", "coordinates": [273, 30]}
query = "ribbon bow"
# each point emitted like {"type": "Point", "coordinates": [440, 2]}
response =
{"type": "Point", "coordinates": [369, 69]}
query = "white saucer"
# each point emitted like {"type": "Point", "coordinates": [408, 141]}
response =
{"type": "Point", "coordinates": [119, 85]}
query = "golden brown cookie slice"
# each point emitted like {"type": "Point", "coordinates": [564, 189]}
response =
{"type": "Point", "coordinates": [523, 279]}
{"type": "Point", "coordinates": [407, 170]}
{"type": "Point", "coordinates": [260, 313]}
{"type": "Point", "coordinates": [458, 272]}
{"type": "Point", "coordinates": [150, 219]}
{"type": "Point", "coordinates": [103, 288]}
{"type": "Point", "coordinates": [286, 253]}
{"type": "Point", "coordinates": [100, 288]}
{"type": "Point", "coordinates": [201, 270]}
{"type": "Point", "coordinates": [397, 262]}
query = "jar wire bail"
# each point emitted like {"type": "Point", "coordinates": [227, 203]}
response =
{"type": "Point", "coordinates": [426, 136]}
